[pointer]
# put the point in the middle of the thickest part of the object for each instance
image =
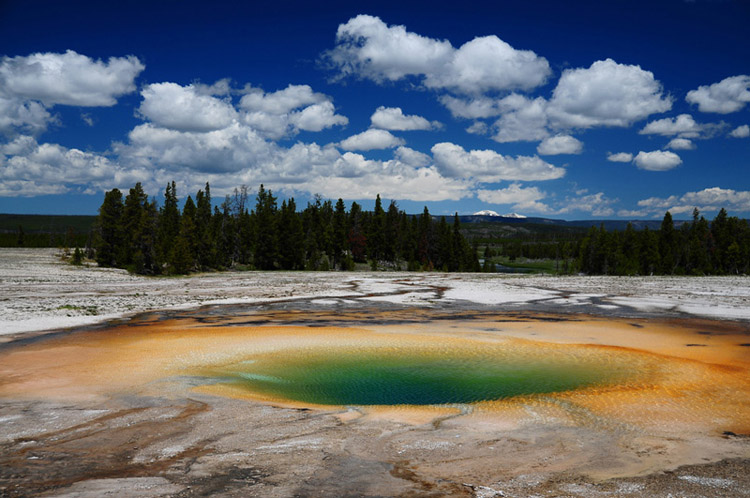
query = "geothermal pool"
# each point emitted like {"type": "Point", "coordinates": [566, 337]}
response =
{"type": "Point", "coordinates": [431, 373]}
{"type": "Point", "coordinates": [413, 396]}
{"type": "Point", "coordinates": [669, 375]}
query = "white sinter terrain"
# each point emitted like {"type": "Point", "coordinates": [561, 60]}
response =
{"type": "Point", "coordinates": [41, 292]}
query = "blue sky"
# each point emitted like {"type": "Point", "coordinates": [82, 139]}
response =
{"type": "Point", "coordinates": [573, 110]}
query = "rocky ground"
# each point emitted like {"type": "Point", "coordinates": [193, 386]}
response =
{"type": "Point", "coordinates": [164, 438]}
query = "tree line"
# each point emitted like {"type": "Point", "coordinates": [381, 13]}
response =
{"type": "Point", "coordinates": [134, 232]}
{"type": "Point", "coordinates": [721, 247]}
{"type": "Point", "coordinates": [696, 247]}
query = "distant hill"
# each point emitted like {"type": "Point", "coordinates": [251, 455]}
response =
{"type": "Point", "coordinates": [45, 230]}
{"type": "Point", "coordinates": [50, 223]}
{"type": "Point", "coordinates": [585, 224]}
{"type": "Point", "coordinates": [45, 223]}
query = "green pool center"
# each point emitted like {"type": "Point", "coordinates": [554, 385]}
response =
{"type": "Point", "coordinates": [426, 375]}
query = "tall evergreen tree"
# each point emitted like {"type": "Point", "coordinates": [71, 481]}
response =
{"type": "Point", "coordinates": [132, 221]}
{"type": "Point", "coordinates": [628, 263]}
{"type": "Point", "coordinates": [357, 236]}
{"type": "Point", "coordinates": [169, 223]}
{"type": "Point", "coordinates": [205, 241]}
{"type": "Point", "coordinates": [291, 237]}
{"type": "Point", "coordinates": [650, 258]}
{"type": "Point", "coordinates": [722, 237]}
{"type": "Point", "coordinates": [376, 232]}
{"type": "Point", "coordinates": [390, 229]}
{"type": "Point", "coordinates": [340, 244]}
{"type": "Point", "coordinates": [424, 239]}
{"type": "Point", "coordinates": [667, 245]}
{"type": "Point", "coordinates": [184, 256]}
{"type": "Point", "coordinates": [266, 236]}
{"type": "Point", "coordinates": [460, 252]}
{"type": "Point", "coordinates": [109, 230]}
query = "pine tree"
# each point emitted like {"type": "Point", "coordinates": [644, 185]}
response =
{"type": "Point", "coordinates": [325, 232]}
{"type": "Point", "coordinates": [132, 217]}
{"type": "Point", "coordinates": [376, 232]}
{"type": "Point", "coordinates": [145, 259]}
{"type": "Point", "coordinates": [649, 257]}
{"type": "Point", "coordinates": [77, 257]}
{"type": "Point", "coordinates": [206, 243]}
{"type": "Point", "coordinates": [340, 243]}
{"type": "Point", "coordinates": [667, 245]}
{"type": "Point", "coordinates": [424, 239]}
{"type": "Point", "coordinates": [722, 238]}
{"type": "Point", "coordinates": [183, 257]}
{"type": "Point", "coordinates": [291, 248]}
{"type": "Point", "coordinates": [628, 264]}
{"type": "Point", "coordinates": [357, 237]}
{"type": "Point", "coordinates": [169, 224]}
{"type": "Point", "coordinates": [266, 237]}
{"type": "Point", "coordinates": [460, 250]}
{"type": "Point", "coordinates": [109, 230]}
{"type": "Point", "coordinates": [444, 255]}
{"type": "Point", "coordinates": [390, 233]}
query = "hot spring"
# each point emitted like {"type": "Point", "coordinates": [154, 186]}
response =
{"type": "Point", "coordinates": [430, 373]}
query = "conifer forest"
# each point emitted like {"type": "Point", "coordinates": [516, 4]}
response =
{"type": "Point", "coordinates": [136, 233]}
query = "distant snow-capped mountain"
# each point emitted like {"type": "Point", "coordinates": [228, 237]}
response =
{"type": "Point", "coordinates": [488, 212]}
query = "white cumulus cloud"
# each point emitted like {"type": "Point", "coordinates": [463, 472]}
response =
{"type": "Point", "coordinates": [19, 116]}
{"type": "Point", "coordinates": [454, 161]}
{"type": "Point", "coordinates": [606, 94]}
{"type": "Point", "coordinates": [487, 64]}
{"type": "Point", "coordinates": [683, 125]}
{"type": "Point", "coordinates": [681, 144]}
{"type": "Point", "coordinates": [281, 101]}
{"type": "Point", "coordinates": [620, 157]}
{"type": "Point", "coordinates": [68, 79]}
{"type": "Point", "coordinates": [31, 85]}
{"type": "Point", "coordinates": [225, 150]}
{"type": "Point", "coordinates": [317, 117]}
{"type": "Point", "coordinates": [391, 179]}
{"type": "Point", "coordinates": [372, 139]}
{"type": "Point", "coordinates": [284, 112]}
{"type": "Point", "coordinates": [658, 160]}
{"type": "Point", "coordinates": [478, 128]}
{"type": "Point", "coordinates": [708, 199]}
{"type": "Point", "coordinates": [31, 169]}
{"type": "Point", "coordinates": [522, 198]}
{"type": "Point", "coordinates": [393, 118]}
{"type": "Point", "coordinates": [597, 204]}
{"type": "Point", "coordinates": [183, 108]}
{"type": "Point", "coordinates": [560, 144]}
{"type": "Point", "coordinates": [367, 47]}
{"type": "Point", "coordinates": [412, 157]}
{"type": "Point", "coordinates": [729, 95]}
{"type": "Point", "coordinates": [523, 119]}
{"type": "Point", "coordinates": [740, 132]}
{"type": "Point", "coordinates": [632, 213]}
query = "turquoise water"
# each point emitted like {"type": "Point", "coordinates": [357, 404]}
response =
{"type": "Point", "coordinates": [392, 376]}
